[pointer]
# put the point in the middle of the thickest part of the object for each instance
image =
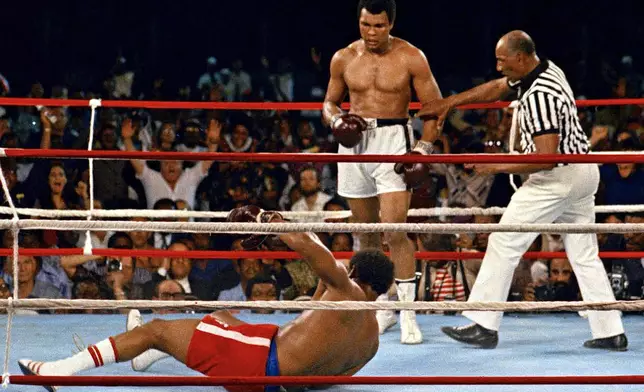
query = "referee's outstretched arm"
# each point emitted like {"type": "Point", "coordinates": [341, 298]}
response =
{"type": "Point", "coordinates": [488, 92]}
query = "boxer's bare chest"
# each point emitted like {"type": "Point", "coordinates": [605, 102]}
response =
{"type": "Point", "coordinates": [388, 73]}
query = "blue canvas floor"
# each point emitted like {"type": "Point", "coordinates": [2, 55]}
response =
{"type": "Point", "coordinates": [529, 345]}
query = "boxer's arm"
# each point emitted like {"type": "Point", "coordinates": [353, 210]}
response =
{"type": "Point", "coordinates": [426, 90]}
{"type": "Point", "coordinates": [491, 91]}
{"type": "Point", "coordinates": [336, 90]}
{"type": "Point", "coordinates": [324, 265]}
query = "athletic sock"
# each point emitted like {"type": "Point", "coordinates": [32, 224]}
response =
{"type": "Point", "coordinates": [101, 354]}
{"type": "Point", "coordinates": [406, 289]}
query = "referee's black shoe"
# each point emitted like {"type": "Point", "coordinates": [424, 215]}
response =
{"type": "Point", "coordinates": [613, 343]}
{"type": "Point", "coordinates": [473, 334]}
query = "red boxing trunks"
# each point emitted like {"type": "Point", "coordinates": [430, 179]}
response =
{"type": "Point", "coordinates": [218, 349]}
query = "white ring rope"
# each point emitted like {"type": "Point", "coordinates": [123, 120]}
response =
{"type": "Point", "coordinates": [417, 212]}
{"type": "Point", "coordinates": [13, 225]}
{"type": "Point", "coordinates": [15, 229]}
{"type": "Point", "coordinates": [573, 306]}
{"type": "Point", "coordinates": [513, 137]}
{"type": "Point", "coordinates": [93, 103]}
{"type": "Point", "coordinates": [7, 343]}
{"type": "Point", "coordinates": [273, 228]}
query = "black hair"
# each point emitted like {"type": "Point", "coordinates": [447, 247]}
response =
{"type": "Point", "coordinates": [573, 278]}
{"type": "Point", "coordinates": [165, 204]}
{"type": "Point", "coordinates": [89, 278]}
{"type": "Point", "coordinates": [635, 214]}
{"type": "Point", "coordinates": [337, 201]}
{"type": "Point", "coordinates": [111, 243]}
{"type": "Point", "coordinates": [377, 6]}
{"type": "Point", "coordinates": [601, 217]}
{"type": "Point", "coordinates": [308, 167]}
{"type": "Point", "coordinates": [436, 242]}
{"type": "Point", "coordinates": [629, 144]}
{"type": "Point", "coordinates": [348, 235]}
{"type": "Point", "coordinates": [374, 268]}
{"type": "Point", "coordinates": [156, 287]}
{"type": "Point", "coordinates": [261, 278]}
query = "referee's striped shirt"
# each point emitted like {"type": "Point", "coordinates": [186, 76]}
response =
{"type": "Point", "coordinates": [547, 105]}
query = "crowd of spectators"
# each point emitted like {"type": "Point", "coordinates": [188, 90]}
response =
{"type": "Point", "coordinates": [221, 186]}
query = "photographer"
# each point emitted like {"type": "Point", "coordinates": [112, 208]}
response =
{"type": "Point", "coordinates": [633, 269]}
{"type": "Point", "coordinates": [122, 276]}
{"type": "Point", "coordinates": [178, 269]}
{"type": "Point", "coordinates": [120, 279]}
{"type": "Point", "coordinates": [444, 280]}
{"type": "Point", "coordinates": [626, 276]}
{"type": "Point", "coordinates": [560, 286]}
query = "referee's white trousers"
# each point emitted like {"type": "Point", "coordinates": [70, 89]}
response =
{"type": "Point", "coordinates": [564, 194]}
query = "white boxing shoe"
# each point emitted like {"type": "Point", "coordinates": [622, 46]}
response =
{"type": "Point", "coordinates": [31, 368]}
{"type": "Point", "coordinates": [134, 319]}
{"type": "Point", "coordinates": [142, 362]}
{"type": "Point", "coordinates": [386, 318]}
{"type": "Point", "coordinates": [409, 330]}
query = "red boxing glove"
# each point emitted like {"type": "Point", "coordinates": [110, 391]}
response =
{"type": "Point", "coordinates": [416, 175]}
{"type": "Point", "coordinates": [252, 214]}
{"type": "Point", "coordinates": [347, 129]}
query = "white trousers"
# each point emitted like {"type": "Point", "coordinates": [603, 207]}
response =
{"type": "Point", "coordinates": [564, 194]}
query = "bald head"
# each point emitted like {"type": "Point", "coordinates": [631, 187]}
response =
{"type": "Point", "coordinates": [518, 41]}
{"type": "Point", "coordinates": [515, 55]}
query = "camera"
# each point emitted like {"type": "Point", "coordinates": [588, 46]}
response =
{"type": "Point", "coordinates": [113, 265]}
{"type": "Point", "coordinates": [556, 292]}
{"type": "Point", "coordinates": [619, 282]}
{"type": "Point", "coordinates": [544, 293]}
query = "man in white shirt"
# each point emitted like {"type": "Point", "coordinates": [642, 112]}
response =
{"type": "Point", "coordinates": [313, 199]}
{"type": "Point", "coordinates": [173, 182]}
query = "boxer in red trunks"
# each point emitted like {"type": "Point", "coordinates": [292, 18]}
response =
{"type": "Point", "coordinates": [318, 342]}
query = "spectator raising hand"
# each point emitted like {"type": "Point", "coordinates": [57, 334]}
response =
{"type": "Point", "coordinates": [83, 193]}
{"type": "Point", "coordinates": [45, 142]}
{"type": "Point", "coordinates": [214, 134]}
{"type": "Point", "coordinates": [127, 130]}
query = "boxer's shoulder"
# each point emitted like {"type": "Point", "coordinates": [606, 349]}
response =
{"type": "Point", "coordinates": [353, 49]}
{"type": "Point", "coordinates": [405, 47]}
{"type": "Point", "coordinates": [345, 54]}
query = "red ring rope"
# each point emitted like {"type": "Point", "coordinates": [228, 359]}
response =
{"type": "Point", "coordinates": [215, 254]}
{"type": "Point", "coordinates": [322, 380]}
{"type": "Point", "coordinates": [264, 105]}
{"type": "Point", "coordinates": [302, 157]}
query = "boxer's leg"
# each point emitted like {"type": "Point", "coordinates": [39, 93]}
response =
{"type": "Point", "coordinates": [366, 211]}
{"type": "Point", "coordinates": [394, 208]}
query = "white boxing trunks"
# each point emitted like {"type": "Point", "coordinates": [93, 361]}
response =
{"type": "Point", "coordinates": [359, 180]}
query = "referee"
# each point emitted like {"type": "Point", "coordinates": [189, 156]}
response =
{"type": "Point", "coordinates": [548, 124]}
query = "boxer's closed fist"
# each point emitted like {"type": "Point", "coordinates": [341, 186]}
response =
{"type": "Point", "coordinates": [248, 214]}
{"type": "Point", "coordinates": [347, 129]}
{"type": "Point", "coordinates": [252, 214]}
{"type": "Point", "coordinates": [416, 175]}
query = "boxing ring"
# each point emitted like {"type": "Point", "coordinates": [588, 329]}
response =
{"type": "Point", "coordinates": [531, 346]}
{"type": "Point", "coordinates": [537, 352]}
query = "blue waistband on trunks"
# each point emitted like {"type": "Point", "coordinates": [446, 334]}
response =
{"type": "Point", "coordinates": [272, 366]}
{"type": "Point", "coordinates": [385, 122]}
